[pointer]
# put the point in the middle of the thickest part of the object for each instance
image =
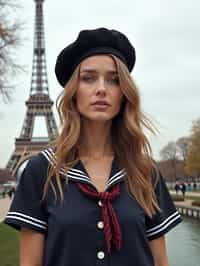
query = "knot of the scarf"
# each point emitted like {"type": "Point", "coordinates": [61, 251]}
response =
{"type": "Point", "coordinates": [112, 228]}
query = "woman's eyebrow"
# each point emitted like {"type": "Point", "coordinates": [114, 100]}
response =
{"type": "Point", "coordinates": [88, 71]}
{"type": "Point", "coordinates": [96, 71]}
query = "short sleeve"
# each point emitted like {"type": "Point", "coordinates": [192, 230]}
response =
{"type": "Point", "coordinates": [27, 208]}
{"type": "Point", "coordinates": [167, 218]}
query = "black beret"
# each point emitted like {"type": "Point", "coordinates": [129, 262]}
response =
{"type": "Point", "coordinates": [91, 42]}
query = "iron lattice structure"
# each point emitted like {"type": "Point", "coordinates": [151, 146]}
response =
{"type": "Point", "coordinates": [39, 102]}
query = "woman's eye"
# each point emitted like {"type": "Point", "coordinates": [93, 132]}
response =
{"type": "Point", "coordinates": [115, 80]}
{"type": "Point", "coordinates": [87, 78]}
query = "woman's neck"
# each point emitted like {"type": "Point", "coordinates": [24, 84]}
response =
{"type": "Point", "coordinates": [95, 140]}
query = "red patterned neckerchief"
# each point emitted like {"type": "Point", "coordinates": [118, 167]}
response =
{"type": "Point", "coordinates": [112, 228]}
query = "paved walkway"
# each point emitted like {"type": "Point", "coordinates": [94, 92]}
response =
{"type": "Point", "coordinates": [186, 202]}
{"type": "Point", "coordinates": [4, 206]}
{"type": "Point", "coordinates": [188, 193]}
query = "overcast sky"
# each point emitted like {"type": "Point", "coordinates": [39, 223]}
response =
{"type": "Point", "coordinates": [166, 35]}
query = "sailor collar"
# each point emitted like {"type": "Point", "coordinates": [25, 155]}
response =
{"type": "Point", "coordinates": [78, 172]}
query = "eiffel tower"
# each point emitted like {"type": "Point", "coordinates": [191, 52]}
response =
{"type": "Point", "coordinates": [38, 104]}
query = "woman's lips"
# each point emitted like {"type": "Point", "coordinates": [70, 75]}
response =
{"type": "Point", "coordinates": [101, 105]}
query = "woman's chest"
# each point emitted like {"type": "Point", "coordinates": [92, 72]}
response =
{"type": "Point", "coordinates": [99, 172]}
{"type": "Point", "coordinates": [80, 212]}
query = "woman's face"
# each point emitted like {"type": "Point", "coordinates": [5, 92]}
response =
{"type": "Point", "coordinates": [98, 96]}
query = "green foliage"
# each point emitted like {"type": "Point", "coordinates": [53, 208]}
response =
{"type": "Point", "coordinates": [193, 157]}
{"type": "Point", "coordinates": [9, 246]}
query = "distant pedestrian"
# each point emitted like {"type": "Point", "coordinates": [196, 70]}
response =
{"type": "Point", "coordinates": [194, 186]}
{"type": "Point", "coordinates": [189, 187]}
{"type": "Point", "coordinates": [183, 188]}
{"type": "Point", "coordinates": [10, 193]}
{"type": "Point", "coordinates": [4, 194]}
{"type": "Point", "coordinates": [177, 188]}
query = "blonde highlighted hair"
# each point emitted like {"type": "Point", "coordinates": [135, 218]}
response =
{"type": "Point", "coordinates": [130, 144]}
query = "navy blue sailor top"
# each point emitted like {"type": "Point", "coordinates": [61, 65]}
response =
{"type": "Point", "coordinates": [74, 229]}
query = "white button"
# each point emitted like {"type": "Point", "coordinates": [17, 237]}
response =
{"type": "Point", "coordinates": [100, 203]}
{"type": "Point", "coordinates": [100, 225]}
{"type": "Point", "coordinates": [100, 255]}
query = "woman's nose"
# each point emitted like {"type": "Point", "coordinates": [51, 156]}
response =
{"type": "Point", "coordinates": [101, 86]}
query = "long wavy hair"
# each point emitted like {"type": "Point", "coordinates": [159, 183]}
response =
{"type": "Point", "coordinates": [130, 144]}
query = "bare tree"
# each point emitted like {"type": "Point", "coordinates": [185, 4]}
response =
{"type": "Point", "coordinates": [182, 145]}
{"type": "Point", "coordinates": [9, 41]}
{"type": "Point", "coordinates": [169, 152]}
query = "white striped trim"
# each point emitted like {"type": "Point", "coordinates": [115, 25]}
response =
{"type": "Point", "coordinates": [51, 152]}
{"type": "Point", "coordinates": [51, 158]}
{"type": "Point", "coordinates": [27, 216]}
{"type": "Point", "coordinates": [28, 219]}
{"type": "Point", "coordinates": [116, 179]}
{"type": "Point", "coordinates": [157, 226]}
{"type": "Point", "coordinates": [164, 226]}
{"type": "Point", "coordinates": [76, 174]}
{"type": "Point", "coordinates": [115, 175]}
{"type": "Point", "coordinates": [78, 171]}
{"type": "Point", "coordinates": [72, 172]}
{"type": "Point", "coordinates": [50, 155]}
{"type": "Point", "coordinates": [46, 156]}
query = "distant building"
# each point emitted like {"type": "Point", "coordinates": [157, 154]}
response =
{"type": "Point", "coordinates": [5, 176]}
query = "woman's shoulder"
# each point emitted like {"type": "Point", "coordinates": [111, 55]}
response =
{"type": "Point", "coordinates": [38, 164]}
{"type": "Point", "coordinates": [48, 156]}
{"type": "Point", "coordinates": [42, 158]}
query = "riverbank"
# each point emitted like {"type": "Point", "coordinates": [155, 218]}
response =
{"type": "Point", "coordinates": [185, 206]}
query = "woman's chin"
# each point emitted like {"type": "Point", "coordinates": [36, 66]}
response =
{"type": "Point", "coordinates": [99, 118]}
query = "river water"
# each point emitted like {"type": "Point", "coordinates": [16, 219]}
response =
{"type": "Point", "coordinates": [183, 243]}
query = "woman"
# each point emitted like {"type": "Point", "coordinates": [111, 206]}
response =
{"type": "Point", "coordinates": [96, 197]}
